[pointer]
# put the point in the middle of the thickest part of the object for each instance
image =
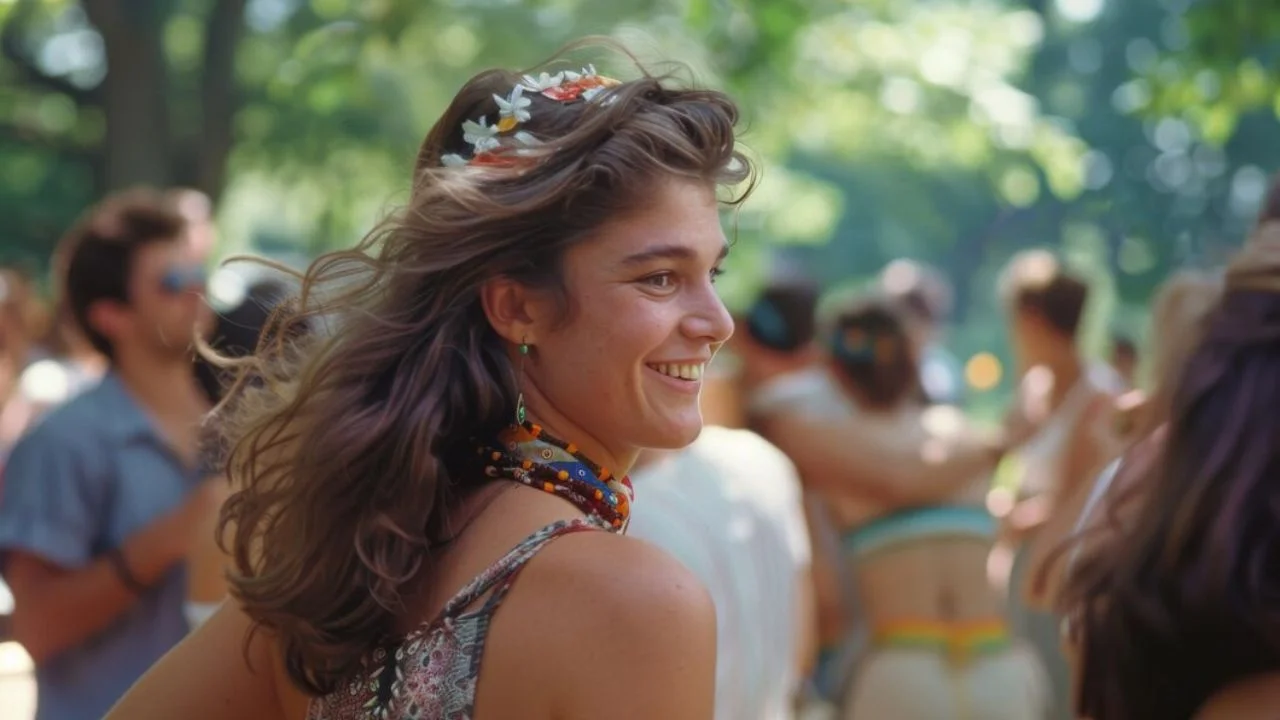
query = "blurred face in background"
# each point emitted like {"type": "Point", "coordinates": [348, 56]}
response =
{"type": "Point", "coordinates": [166, 306]}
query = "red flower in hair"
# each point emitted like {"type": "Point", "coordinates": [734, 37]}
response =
{"type": "Point", "coordinates": [567, 92]}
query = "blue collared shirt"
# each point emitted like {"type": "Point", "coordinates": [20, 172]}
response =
{"type": "Point", "coordinates": [89, 475]}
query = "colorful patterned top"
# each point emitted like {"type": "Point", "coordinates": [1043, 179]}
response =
{"type": "Point", "coordinates": [431, 674]}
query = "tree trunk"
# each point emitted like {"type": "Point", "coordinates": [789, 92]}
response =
{"type": "Point", "coordinates": [218, 96]}
{"type": "Point", "coordinates": [134, 93]}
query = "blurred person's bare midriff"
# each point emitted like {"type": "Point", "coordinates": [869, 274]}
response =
{"type": "Point", "coordinates": [940, 579]}
{"type": "Point", "coordinates": [943, 580]}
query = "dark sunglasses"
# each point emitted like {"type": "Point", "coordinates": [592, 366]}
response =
{"type": "Point", "coordinates": [183, 279]}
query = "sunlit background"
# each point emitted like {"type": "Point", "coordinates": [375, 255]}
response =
{"type": "Point", "coordinates": [1136, 136]}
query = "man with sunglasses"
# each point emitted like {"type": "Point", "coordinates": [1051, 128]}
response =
{"type": "Point", "coordinates": [100, 496]}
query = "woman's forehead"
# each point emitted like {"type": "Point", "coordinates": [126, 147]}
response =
{"type": "Point", "coordinates": [682, 223]}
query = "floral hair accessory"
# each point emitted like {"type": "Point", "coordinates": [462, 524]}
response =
{"type": "Point", "coordinates": [854, 345]}
{"type": "Point", "coordinates": [497, 145]}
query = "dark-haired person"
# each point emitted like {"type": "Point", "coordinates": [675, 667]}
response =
{"type": "Point", "coordinates": [431, 495]}
{"type": "Point", "coordinates": [100, 494]}
{"type": "Point", "coordinates": [1169, 598]}
{"type": "Point", "coordinates": [782, 367]}
{"type": "Point", "coordinates": [940, 646]}
{"type": "Point", "coordinates": [1129, 424]}
{"type": "Point", "coordinates": [1045, 303]}
{"type": "Point", "coordinates": [853, 456]}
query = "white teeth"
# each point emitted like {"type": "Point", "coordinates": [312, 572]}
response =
{"type": "Point", "coordinates": [683, 372]}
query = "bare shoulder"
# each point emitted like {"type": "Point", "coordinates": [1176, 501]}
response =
{"type": "Point", "coordinates": [221, 670]}
{"type": "Point", "coordinates": [601, 600]}
{"type": "Point", "coordinates": [1256, 698]}
{"type": "Point", "coordinates": [624, 582]}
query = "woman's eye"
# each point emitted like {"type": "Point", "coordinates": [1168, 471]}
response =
{"type": "Point", "coordinates": [715, 274]}
{"type": "Point", "coordinates": [660, 281]}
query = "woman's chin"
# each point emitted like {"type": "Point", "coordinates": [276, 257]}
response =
{"type": "Point", "coordinates": [674, 435]}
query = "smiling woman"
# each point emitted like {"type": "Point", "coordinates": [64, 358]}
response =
{"type": "Point", "coordinates": [501, 349]}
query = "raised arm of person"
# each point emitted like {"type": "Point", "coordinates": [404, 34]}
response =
{"type": "Point", "coordinates": [65, 590]}
{"type": "Point", "coordinates": [872, 456]}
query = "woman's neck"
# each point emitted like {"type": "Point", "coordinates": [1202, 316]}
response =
{"type": "Point", "coordinates": [619, 461]}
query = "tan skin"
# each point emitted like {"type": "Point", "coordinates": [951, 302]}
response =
{"type": "Point", "coordinates": [1098, 441]}
{"type": "Point", "coordinates": [642, 291]}
{"type": "Point", "coordinates": [1256, 698]}
{"type": "Point", "coordinates": [56, 607]}
{"type": "Point", "coordinates": [874, 462]}
{"type": "Point", "coordinates": [1042, 520]}
{"type": "Point", "coordinates": [207, 565]}
{"type": "Point", "coordinates": [942, 580]}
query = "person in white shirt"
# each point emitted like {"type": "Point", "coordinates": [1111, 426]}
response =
{"type": "Point", "coordinates": [730, 508]}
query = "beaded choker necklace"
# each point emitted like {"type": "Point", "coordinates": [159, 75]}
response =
{"type": "Point", "coordinates": [528, 455]}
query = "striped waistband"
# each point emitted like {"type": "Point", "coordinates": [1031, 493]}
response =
{"type": "Point", "coordinates": [919, 523]}
{"type": "Point", "coordinates": [959, 640]}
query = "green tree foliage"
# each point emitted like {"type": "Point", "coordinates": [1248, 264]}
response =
{"type": "Point", "coordinates": [955, 131]}
{"type": "Point", "coordinates": [303, 116]}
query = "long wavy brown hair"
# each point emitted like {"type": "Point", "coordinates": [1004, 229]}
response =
{"type": "Point", "coordinates": [1188, 601]}
{"type": "Point", "coordinates": [351, 447]}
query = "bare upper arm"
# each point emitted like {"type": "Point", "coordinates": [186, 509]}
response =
{"type": "Point", "coordinates": [211, 676]}
{"type": "Point", "coordinates": [622, 613]}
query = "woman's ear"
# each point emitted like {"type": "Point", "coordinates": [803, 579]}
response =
{"type": "Point", "coordinates": [516, 312]}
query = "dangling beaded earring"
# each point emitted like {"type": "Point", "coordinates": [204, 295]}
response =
{"type": "Point", "coordinates": [520, 411]}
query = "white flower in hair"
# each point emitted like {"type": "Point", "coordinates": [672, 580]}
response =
{"type": "Point", "coordinates": [527, 142]}
{"type": "Point", "coordinates": [512, 109]}
{"type": "Point", "coordinates": [481, 135]}
{"type": "Point", "coordinates": [452, 160]}
{"type": "Point", "coordinates": [544, 81]}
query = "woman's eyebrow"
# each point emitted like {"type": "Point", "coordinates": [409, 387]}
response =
{"type": "Point", "coordinates": [668, 252]}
